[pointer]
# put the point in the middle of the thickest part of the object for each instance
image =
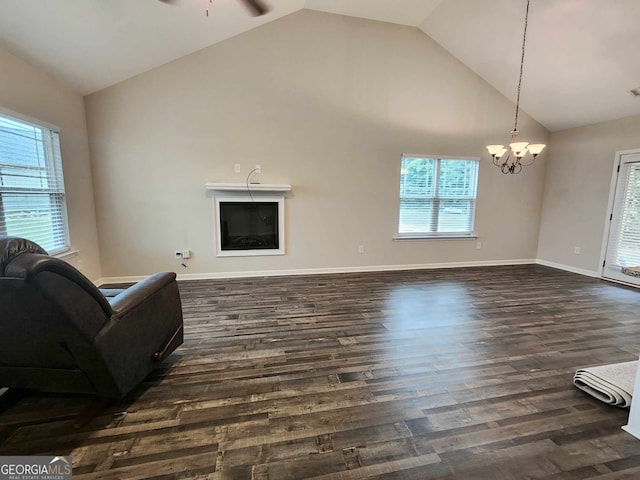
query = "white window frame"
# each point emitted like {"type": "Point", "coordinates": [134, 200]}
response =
{"type": "Point", "coordinates": [47, 127]}
{"type": "Point", "coordinates": [439, 235]}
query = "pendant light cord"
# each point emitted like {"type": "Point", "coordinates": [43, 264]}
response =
{"type": "Point", "coordinates": [524, 40]}
{"type": "Point", "coordinates": [255, 170]}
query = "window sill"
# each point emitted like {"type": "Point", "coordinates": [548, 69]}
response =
{"type": "Point", "coordinates": [436, 237]}
{"type": "Point", "coordinates": [63, 255]}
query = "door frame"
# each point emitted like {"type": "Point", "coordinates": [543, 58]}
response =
{"type": "Point", "coordinates": [612, 195]}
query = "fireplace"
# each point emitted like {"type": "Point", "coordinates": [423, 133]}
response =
{"type": "Point", "coordinates": [249, 225]}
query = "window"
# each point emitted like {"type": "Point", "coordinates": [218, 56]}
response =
{"type": "Point", "coordinates": [437, 197]}
{"type": "Point", "coordinates": [32, 200]}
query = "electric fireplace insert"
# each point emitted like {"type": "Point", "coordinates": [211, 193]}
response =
{"type": "Point", "coordinates": [249, 226]}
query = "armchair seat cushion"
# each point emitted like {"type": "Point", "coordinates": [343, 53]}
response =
{"type": "Point", "coordinates": [109, 293]}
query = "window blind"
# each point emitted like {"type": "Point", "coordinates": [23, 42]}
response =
{"type": "Point", "coordinates": [32, 196]}
{"type": "Point", "coordinates": [437, 197]}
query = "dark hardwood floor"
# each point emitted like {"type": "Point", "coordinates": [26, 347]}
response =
{"type": "Point", "coordinates": [436, 374]}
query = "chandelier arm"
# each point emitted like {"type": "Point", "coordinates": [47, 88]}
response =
{"type": "Point", "coordinates": [504, 160]}
{"type": "Point", "coordinates": [524, 41]}
{"type": "Point", "coordinates": [533, 159]}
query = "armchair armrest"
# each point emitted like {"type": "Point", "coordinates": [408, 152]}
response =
{"type": "Point", "coordinates": [133, 296]}
{"type": "Point", "coordinates": [146, 326]}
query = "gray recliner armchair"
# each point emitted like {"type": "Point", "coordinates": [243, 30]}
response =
{"type": "Point", "coordinates": [59, 333]}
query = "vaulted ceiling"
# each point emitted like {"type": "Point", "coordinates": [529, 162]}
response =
{"type": "Point", "coordinates": [581, 57]}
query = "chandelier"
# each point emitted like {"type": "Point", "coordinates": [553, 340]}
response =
{"type": "Point", "coordinates": [512, 159]}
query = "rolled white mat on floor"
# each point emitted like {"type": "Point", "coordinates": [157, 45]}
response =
{"type": "Point", "coordinates": [612, 384]}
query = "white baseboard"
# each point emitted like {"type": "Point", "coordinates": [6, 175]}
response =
{"type": "Point", "coordinates": [320, 271]}
{"type": "Point", "coordinates": [568, 268]}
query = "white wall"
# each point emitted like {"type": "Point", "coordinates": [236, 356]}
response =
{"type": "Point", "coordinates": [324, 102]}
{"type": "Point", "coordinates": [579, 168]}
{"type": "Point", "coordinates": [28, 91]}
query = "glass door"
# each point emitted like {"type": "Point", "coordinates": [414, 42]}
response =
{"type": "Point", "coordinates": [622, 258]}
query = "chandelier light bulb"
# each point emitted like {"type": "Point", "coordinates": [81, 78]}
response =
{"type": "Point", "coordinates": [494, 149]}
{"type": "Point", "coordinates": [519, 148]}
{"type": "Point", "coordinates": [535, 148]}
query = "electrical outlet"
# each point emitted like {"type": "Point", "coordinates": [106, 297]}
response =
{"type": "Point", "coordinates": [186, 253]}
{"type": "Point", "coordinates": [236, 167]}
{"type": "Point", "coordinates": [360, 249]}
{"type": "Point", "coordinates": [258, 169]}
{"type": "Point", "coordinates": [478, 245]}
{"type": "Point", "coordinates": [576, 250]}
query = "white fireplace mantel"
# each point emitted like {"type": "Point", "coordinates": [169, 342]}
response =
{"type": "Point", "coordinates": [242, 187]}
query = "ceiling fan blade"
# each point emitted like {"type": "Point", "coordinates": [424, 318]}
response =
{"type": "Point", "coordinates": [257, 7]}
{"type": "Point", "coordinates": [169, 2]}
